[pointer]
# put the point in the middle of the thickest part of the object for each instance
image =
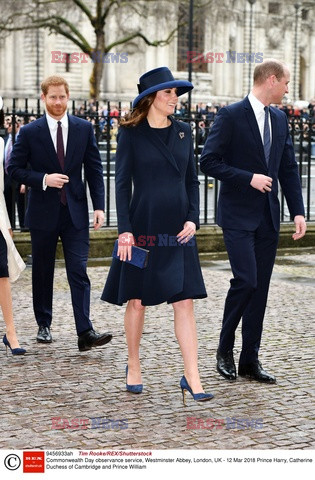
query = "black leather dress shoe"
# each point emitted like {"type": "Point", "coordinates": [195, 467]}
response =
{"type": "Point", "coordinates": [44, 335]}
{"type": "Point", "coordinates": [225, 365]}
{"type": "Point", "coordinates": [255, 372]}
{"type": "Point", "coordinates": [91, 339]}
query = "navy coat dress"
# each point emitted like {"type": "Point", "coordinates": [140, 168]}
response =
{"type": "Point", "coordinates": [157, 191]}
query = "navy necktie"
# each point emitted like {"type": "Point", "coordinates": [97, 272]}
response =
{"type": "Point", "coordinates": [61, 158]}
{"type": "Point", "coordinates": [267, 142]}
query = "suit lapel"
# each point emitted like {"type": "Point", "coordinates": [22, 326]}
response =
{"type": "Point", "coordinates": [251, 119]}
{"type": "Point", "coordinates": [46, 140]}
{"type": "Point", "coordinates": [73, 133]}
{"type": "Point", "coordinates": [176, 133]}
{"type": "Point", "coordinates": [273, 135]}
{"type": "Point", "coordinates": [155, 139]}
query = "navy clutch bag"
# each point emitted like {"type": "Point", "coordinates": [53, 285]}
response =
{"type": "Point", "coordinates": [139, 256]}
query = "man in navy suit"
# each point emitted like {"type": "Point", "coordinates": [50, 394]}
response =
{"type": "Point", "coordinates": [48, 157]}
{"type": "Point", "coordinates": [249, 149]}
{"type": "Point", "coordinates": [12, 191]}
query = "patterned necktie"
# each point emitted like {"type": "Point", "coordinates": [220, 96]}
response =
{"type": "Point", "coordinates": [8, 153]}
{"type": "Point", "coordinates": [61, 158]}
{"type": "Point", "coordinates": [267, 135]}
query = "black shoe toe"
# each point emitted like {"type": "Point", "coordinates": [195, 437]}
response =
{"type": "Point", "coordinates": [225, 365]}
{"type": "Point", "coordinates": [255, 371]}
{"type": "Point", "coordinates": [91, 339]}
{"type": "Point", "coordinates": [44, 335]}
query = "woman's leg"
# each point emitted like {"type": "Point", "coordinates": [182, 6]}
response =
{"type": "Point", "coordinates": [186, 334]}
{"type": "Point", "coordinates": [7, 311]}
{"type": "Point", "coordinates": [134, 320]}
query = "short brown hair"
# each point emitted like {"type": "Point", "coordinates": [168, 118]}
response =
{"type": "Point", "coordinates": [267, 68]}
{"type": "Point", "coordinates": [54, 81]}
{"type": "Point", "coordinates": [139, 113]}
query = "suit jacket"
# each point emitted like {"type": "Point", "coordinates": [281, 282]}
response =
{"type": "Point", "coordinates": [34, 147]}
{"type": "Point", "coordinates": [234, 152]}
{"type": "Point", "coordinates": [15, 262]}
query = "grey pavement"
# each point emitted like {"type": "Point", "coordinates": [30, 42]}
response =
{"type": "Point", "coordinates": [54, 384]}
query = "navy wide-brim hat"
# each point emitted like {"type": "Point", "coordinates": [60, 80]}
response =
{"type": "Point", "coordinates": [160, 79]}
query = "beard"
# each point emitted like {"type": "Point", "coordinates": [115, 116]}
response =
{"type": "Point", "coordinates": [55, 111]}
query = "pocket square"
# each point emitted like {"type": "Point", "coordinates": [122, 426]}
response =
{"type": "Point", "coordinates": [139, 256]}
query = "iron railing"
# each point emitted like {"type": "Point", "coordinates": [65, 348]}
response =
{"type": "Point", "coordinates": [105, 120]}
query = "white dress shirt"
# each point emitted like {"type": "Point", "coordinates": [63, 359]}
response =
{"type": "Point", "coordinates": [259, 112]}
{"type": "Point", "coordinates": [53, 125]}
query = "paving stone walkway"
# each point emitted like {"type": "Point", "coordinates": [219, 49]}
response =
{"type": "Point", "coordinates": [55, 384]}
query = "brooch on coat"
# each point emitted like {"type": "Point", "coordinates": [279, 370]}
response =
{"type": "Point", "coordinates": [181, 134]}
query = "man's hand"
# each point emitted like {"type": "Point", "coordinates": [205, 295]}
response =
{"type": "Point", "coordinates": [98, 219]}
{"type": "Point", "coordinates": [56, 180]}
{"type": "Point", "coordinates": [261, 182]}
{"type": "Point", "coordinates": [11, 232]}
{"type": "Point", "coordinates": [300, 227]}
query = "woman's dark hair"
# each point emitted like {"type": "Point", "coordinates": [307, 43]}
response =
{"type": "Point", "coordinates": [138, 114]}
{"type": "Point", "coordinates": [1, 117]}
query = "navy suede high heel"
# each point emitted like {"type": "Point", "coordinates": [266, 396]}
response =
{"type": "Point", "coordinates": [14, 351]}
{"type": "Point", "coordinates": [133, 388]}
{"type": "Point", "coordinates": [198, 397]}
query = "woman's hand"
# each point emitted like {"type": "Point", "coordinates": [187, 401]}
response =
{"type": "Point", "coordinates": [125, 242]}
{"type": "Point", "coordinates": [187, 233]}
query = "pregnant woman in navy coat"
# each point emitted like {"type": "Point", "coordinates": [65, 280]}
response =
{"type": "Point", "coordinates": [157, 198]}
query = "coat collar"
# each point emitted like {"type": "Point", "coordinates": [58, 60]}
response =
{"type": "Point", "coordinates": [166, 150]}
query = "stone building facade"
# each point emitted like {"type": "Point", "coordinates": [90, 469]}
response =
{"type": "Point", "coordinates": [224, 33]}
